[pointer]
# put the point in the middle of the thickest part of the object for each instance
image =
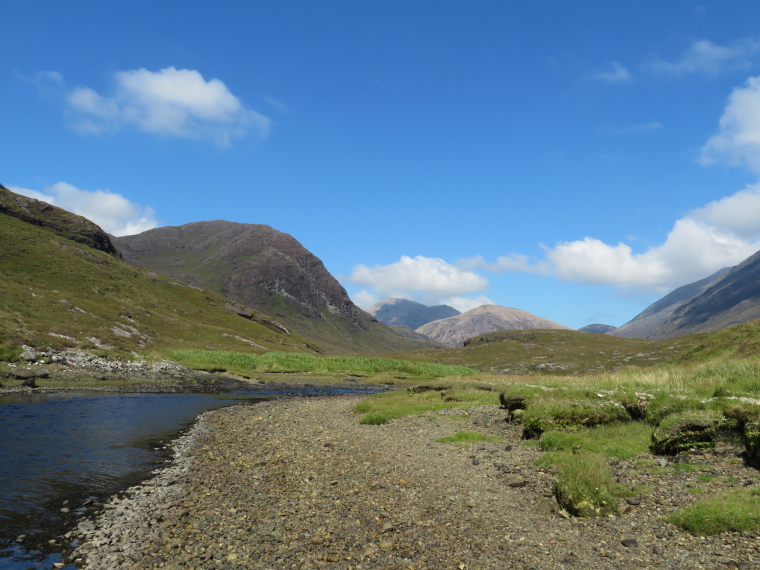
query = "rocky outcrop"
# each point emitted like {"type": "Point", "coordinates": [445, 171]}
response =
{"type": "Point", "coordinates": [63, 223]}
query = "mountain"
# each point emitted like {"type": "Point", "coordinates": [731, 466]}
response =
{"type": "Point", "coordinates": [265, 269]}
{"type": "Point", "coordinates": [63, 223]}
{"type": "Point", "coordinates": [646, 323]}
{"type": "Point", "coordinates": [731, 299]}
{"type": "Point", "coordinates": [597, 329]}
{"type": "Point", "coordinates": [453, 331]}
{"type": "Point", "coordinates": [402, 312]}
{"type": "Point", "coordinates": [63, 285]}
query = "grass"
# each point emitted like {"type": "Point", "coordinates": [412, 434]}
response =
{"type": "Point", "coordinates": [467, 437]}
{"type": "Point", "coordinates": [737, 510]}
{"type": "Point", "coordinates": [296, 362]}
{"type": "Point", "coordinates": [381, 408]}
{"type": "Point", "coordinates": [584, 485]}
{"type": "Point", "coordinates": [619, 441]}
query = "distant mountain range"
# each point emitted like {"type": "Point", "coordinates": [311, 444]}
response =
{"type": "Point", "coordinates": [445, 325]}
{"type": "Point", "coordinates": [402, 312]}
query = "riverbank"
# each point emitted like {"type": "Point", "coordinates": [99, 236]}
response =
{"type": "Point", "coordinates": [300, 483]}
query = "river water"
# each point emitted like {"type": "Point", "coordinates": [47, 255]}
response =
{"type": "Point", "coordinates": [68, 450]}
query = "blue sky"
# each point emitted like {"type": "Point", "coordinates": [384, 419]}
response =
{"type": "Point", "coordinates": [575, 159]}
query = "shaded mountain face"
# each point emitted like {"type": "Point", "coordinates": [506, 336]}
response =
{"type": "Point", "coordinates": [453, 331]}
{"type": "Point", "coordinates": [402, 312]}
{"type": "Point", "coordinates": [265, 269]}
{"type": "Point", "coordinates": [731, 299]}
{"type": "Point", "coordinates": [597, 329]}
{"type": "Point", "coordinates": [646, 323]}
{"type": "Point", "coordinates": [58, 220]}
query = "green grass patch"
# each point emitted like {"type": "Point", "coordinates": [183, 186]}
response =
{"type": "Point", "coordinates": [618, 440]}
{"type": "Point", "coordinates": [297, 362]}
{"type": "Point", "coordinates": [737, 510]}
{"type": "Point", "coordinates": [584, 485]}
{"type": "Point", "coordinates": [400, 403]}
{"type": "Point", "coordinates": [467, 437]}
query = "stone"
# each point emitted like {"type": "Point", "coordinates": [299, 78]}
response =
{"type": "Point", "coordinates": [629, 543]}
{"type": "Point", "coordinates": [24, 373]}
{"type": "Point", "coordinates": [28, 355]}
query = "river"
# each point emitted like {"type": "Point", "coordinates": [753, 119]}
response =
{"type": "Point", "coordinates": [60, 454]}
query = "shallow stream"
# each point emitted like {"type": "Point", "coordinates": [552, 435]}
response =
{"type": "Point", "coordinates": [70, 450]}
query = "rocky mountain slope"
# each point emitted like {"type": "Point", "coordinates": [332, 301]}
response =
{"type": "Point", "coordinates": [402, 312]}
{"type": "Point", "coordinates": [63, 223]}
{"type": "Point", "coordinates": [59, 293]}
{"type": "Point", "coordinates": [453, 331]}
{"type": "Point", "coordinates": [265, 269]}
{"type": "Point", "coordinates": [731, 299]}
{"type": "Point", "coordinates": [646, 323]}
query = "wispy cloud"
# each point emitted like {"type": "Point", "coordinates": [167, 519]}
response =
{"type": "Point", "coordinates": [112, 212]}
{"type": "Point", "coordinates": [617, 73]}
{"type": "Point", "coordinates": [707, 58]}
{"type": "Point", "coordinates": [170, 102]}
{"type": "Point", "coordinates": [634, 129]}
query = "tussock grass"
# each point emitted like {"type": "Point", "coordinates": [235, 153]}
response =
{"type": "Point", "coordinates": [584, 485]}
{"type": "Point", "coordinates": [737, 510]}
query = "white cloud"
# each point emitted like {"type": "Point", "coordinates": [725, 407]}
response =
{"type": "Point", "coordinates": [739, 213]}
{"type": "Point", "coordinates": [112, 212]}
{"type": "Point", "coordinates": [463, 304]}
{"type": "Point", "coordinates": [170, 102]}
{"type": "Point", "coordinates": [693, 250]}
{"type": "Point", "coordinates": [738, 139]}
{"type": "Point", "coordinates": [425, 279]}
{"type": "Point", "coordinates": [617, 74]}
{"type": "Point", "coordinates": [364, 299]}
{"type": "Point", "coordinates": [707, 58]}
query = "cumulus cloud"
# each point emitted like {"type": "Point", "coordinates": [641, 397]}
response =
{"type": "Point", "coordinates": [112, 212]}
{"type": "Point", "coordinates": [616, 74]}
{"type": "Point", "coordinates": [170, 102]}
{"type": "Point", "coordinates": [706, 58]}
{"type": "Point", "coordinates": [737, 141]}
{"type": "Point", "coordinates": [428, 280]}
{"type": "Point", "coordinates": [720, 234]}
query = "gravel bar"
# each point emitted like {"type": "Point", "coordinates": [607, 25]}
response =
{"type": "Point", "coordinates": [299, 483]}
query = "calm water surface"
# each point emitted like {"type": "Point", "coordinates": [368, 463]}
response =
{"type": "Point", "coordinates": [80, 446]}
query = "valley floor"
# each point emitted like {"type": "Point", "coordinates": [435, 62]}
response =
{"type": "Point", "coordinates": [301, 484]}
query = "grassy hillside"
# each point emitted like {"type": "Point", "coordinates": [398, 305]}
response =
{"type": "Point", "coordinates": [56, 292]}
{"type": "Point", "coordinates": [559, 352]}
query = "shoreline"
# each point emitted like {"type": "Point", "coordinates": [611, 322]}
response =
{"type": "Point", "coordinates": [299, 483]}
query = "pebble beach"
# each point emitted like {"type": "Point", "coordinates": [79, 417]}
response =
{"type": "Point", "coordinates": [300, 483]}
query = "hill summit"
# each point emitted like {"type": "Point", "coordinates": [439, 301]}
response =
{"type": "Point", "coordinates": [453, 331]}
